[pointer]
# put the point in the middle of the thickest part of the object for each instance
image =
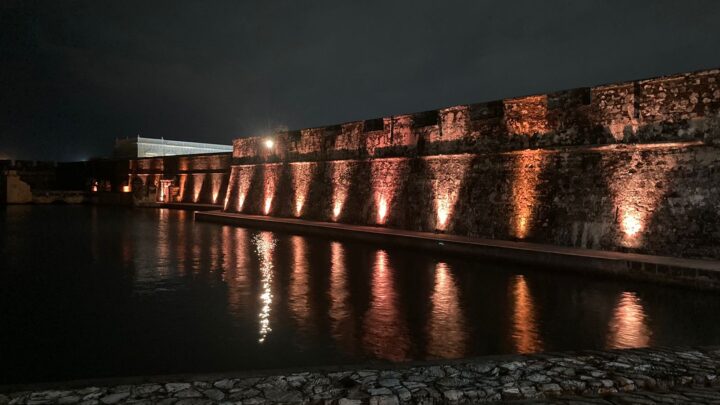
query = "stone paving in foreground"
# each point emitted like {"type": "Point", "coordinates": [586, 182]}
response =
{"type": "Point", "coordinates": [640, 376]}
{"type": "Point", "coordinates": [679, 395]}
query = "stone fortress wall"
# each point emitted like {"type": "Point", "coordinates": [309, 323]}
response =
{"type": "Point", "coordinates": [197, 179]}
{"type": "Point", "coordinates": [193, 179]}
{"type": "Point", "coordinates": [632, 166]}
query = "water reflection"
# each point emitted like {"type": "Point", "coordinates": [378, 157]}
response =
{"type": "Point", "coordinates": [342, 323]}
{"type": "Point", "coordinates": [182, 238]}
{"type": "Point", "coordinates": [385, 333]}
{"type": "Point", "coordinates": [127, 248]}
{"type": "Point", "coordinates": [216, 256]}
{"type": "Point", "coordinates": [359, 304]}
{"type": "Point", "coordinates": [180, 250]}
{"type": "Point", "coordinates": [299, 299]}
{"type": "Point", "coordinates": [264, 247]}
{"type": "Point", "coordinates": [525, 332]}
{"type": "Point", "coordinates": [163, 245]}
{"type": "Point", "coordinates": [446, 327]}
{"type": "Point", "coordinates": [628, 327]}
{"type": "Point", "coordinates": [236, 274]}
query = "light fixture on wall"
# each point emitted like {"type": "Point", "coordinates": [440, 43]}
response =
{"type": "Point", "coordinates": [268, 205]}
{"type": "Point", "coordinates": [336, 210]}
{"type": "Point", "coordinates": [382, 210]}
{"type": "Point", "coordinates": [631, 224]}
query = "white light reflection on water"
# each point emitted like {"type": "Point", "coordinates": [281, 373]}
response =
{"type": "Point", "coordinates": [264, 245]}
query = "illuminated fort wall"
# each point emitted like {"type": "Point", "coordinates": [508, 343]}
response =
{"type": "Point", "coordinates": [631, 166]}
{"type": "Point", "coordinates": [201, 179]}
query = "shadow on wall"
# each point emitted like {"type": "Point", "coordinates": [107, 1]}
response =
{"type": "Point", "coordinates": [515, 169]}
{"type": "Point", "coordinates": [596, 197]}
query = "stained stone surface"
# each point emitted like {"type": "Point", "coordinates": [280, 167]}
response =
{"type": "Point", "coordinates": [629, 167]}
{"type": "Point", "coordinates": [635, 376]}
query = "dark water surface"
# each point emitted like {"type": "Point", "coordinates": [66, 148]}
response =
{"type": "Point", "coordinates": [90, 292]}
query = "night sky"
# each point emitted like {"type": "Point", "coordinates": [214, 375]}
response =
{"type": "Point", "coordinates": [77, 74]}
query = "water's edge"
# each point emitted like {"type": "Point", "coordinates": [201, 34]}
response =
{"type": "Point", "coordinates": [695, 273]}
{"type": "Point", "coordinates": [482, 379]}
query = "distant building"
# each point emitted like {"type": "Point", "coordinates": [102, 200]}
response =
{"type": "Point", "coordinates": [38, 182]}
{"type": "Point", "coordinates": [149, 147]}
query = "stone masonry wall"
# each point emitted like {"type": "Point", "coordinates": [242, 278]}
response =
{"type": "Point", "coordinates": [631, 167]}
{"type": "Point", "coordinates": [200, 179]}
{"type": "Point", "coordinates": [672, 108]}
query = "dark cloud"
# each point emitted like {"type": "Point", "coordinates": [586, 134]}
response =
{"type": "Point", "coordinates": [77, 74]}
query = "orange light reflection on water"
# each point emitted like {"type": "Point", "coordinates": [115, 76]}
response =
{"type": "Point", "coordinates": [342, 323]}
{"type": "Point", "coordinates": [299, 292]}
{"type": "Point", "coordinates": [628, 327]}
{"type": "Point", "coordinates": [236, 271]}
{"type": "Point", "coordinates": [525, 328]}
{"type": "Point", "coordinates": [385, 333]}
{"type": "Point", "coordinates": [447, 334]}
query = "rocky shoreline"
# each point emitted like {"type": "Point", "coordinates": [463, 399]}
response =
{"type": "Point", "coordinates": [539, 377]}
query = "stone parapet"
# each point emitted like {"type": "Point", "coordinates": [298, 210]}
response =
{"type": "Point", "coordinates": [673, 108]}
{"type": "Point", "coordinates": [629, 167]}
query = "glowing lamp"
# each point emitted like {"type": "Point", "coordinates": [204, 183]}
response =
{"type": "Point", "coordinates": [126, 189]}
{"type": "Point", "coordinates": [241, 202]}
{"type": "Point", "coordinates": [443, 212]}
{"type": "Point", "coordinates": [268, 203]}
{"type": "Point", "coordinates": [522, 228]}
{"type": "Point", "coordinates": [269, 143]}
{"type": "Point", "coordinates": [336, 210]}
{"type": "Point", "coordinates": [382, 210]}
{"type": "Point", "coordinates": [442, 216]}
{"type": "Point", "coordinates": [631, 225]}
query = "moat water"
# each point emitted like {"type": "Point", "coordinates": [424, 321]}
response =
{"type": "Point", "coordinates": [89, 292]}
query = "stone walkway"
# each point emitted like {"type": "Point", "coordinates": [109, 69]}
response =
{"type": "Point", "coordinates": [636, 376]}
